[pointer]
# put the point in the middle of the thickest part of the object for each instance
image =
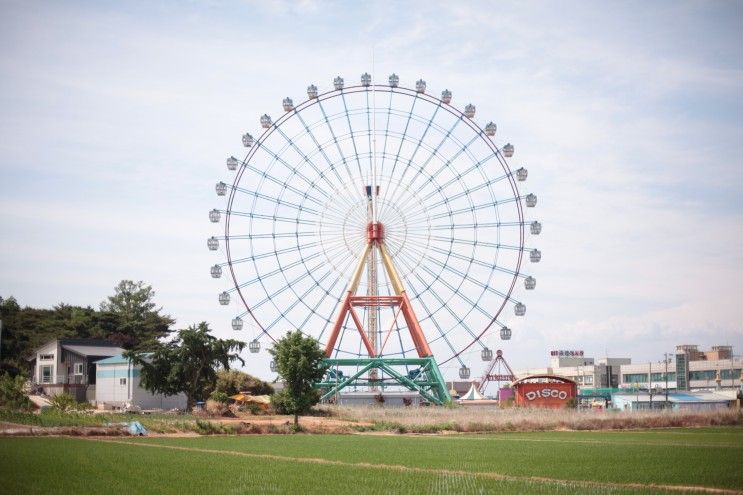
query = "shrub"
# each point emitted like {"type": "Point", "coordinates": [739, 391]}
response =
{"type": "Point", "coordinates": [231, 382]}
{"type": "Point", "coordinates": [63, 402]}
{"type": "Point", "coordinates": [11, 393]}
{"type": "Point", "coordinates": [221, 397]}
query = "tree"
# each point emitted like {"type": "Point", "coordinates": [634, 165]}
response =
{"type": "Point", "coordinates": [132, 318]}
{"type": "Point", "coordinates": [186, 364]}
{"type": "Point", "coordinates": [299, 362]}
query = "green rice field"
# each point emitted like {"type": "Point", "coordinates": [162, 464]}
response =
{"type": "Point", "coordinates": [707, 460]}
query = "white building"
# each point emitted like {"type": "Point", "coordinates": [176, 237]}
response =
{"type": "Point", "coordinates": [587, 372]}
{"type": "Point", "coordinates": [68, 365]}
{"type": "Point", "coordinates": [702, 374]}
{"type": "Point", "coordinates": [118, 386]}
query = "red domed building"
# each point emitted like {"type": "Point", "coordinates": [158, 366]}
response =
{"type": "Point", "coordinates": [550, 391]}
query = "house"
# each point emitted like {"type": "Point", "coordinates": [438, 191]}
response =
{"type": "Point", "coordinates": [68, 365]}
{"type": "Point", "coordinates": [118, 386]}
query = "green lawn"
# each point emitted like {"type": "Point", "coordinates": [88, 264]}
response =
{"type": "Point", "coordinates": [551, 462]}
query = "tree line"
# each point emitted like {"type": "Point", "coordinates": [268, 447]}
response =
{"type": "Point", "coordinates": [188, 360]}
{"type": "Point", "coordinates": [129, 318]}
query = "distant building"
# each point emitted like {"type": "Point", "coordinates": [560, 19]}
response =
{"type": "Point", "coordinates": [68, 365]}
{"type": "Point", "coordinates": [677, 401]}
{"type": "Point", "coordinates": [689, 369]}
{"type": "Point", "coordinates": [118, 386]}
{"type": "Point", "coordinates": [585, 371]}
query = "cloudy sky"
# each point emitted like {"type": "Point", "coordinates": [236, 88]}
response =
{"type": "Point", "coordinates": [116, 120]}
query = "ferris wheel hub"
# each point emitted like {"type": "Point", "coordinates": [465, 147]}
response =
{"type": "Point", "coordinates": [375, 231]}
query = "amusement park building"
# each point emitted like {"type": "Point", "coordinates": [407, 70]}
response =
{"type": "Point", "coordinates": [583, 370]}
{"type": "Point", "coordinates": [699, 370]}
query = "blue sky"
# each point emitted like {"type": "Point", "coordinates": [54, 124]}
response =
{"type": "Point", "coordinates": [116, 119]}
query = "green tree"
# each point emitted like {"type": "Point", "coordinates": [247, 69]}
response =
{"type": "Point", "coordinates": [132, 318]}
{"type": "Point", "coordinates": [11, 393]}
{"type": "Point", "coordinates": [299, 362]}
{"type": "Point", "coordinates": [187, 364]}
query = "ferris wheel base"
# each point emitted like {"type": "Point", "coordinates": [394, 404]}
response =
{"type": "Point", "coordinates": [428, 381]}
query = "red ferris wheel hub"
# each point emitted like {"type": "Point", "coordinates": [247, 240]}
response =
{"type": "Point", "coordinates": [375, 231]}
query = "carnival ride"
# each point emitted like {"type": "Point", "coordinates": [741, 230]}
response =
{"type": "Point", "coordinates": [383, 222]}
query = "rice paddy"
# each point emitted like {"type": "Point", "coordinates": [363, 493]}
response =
{"type": "Point", "coordinates": [653, 461]}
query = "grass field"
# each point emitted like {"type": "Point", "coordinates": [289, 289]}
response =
{"type": "Point", "coordinates": [689, 460]}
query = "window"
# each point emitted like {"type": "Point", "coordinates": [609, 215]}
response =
{"type": "Point", "coordinates": [703, 375]}
{"type": "Point", "coordinates": [78, 369]}
{"type": "Point", "coordinates": [122, 381]}
{"type": "Point", "coordinates": [588, 380]}
{"type": "Point", "coordinates": [659, 377]}
{"type": "Point", "coordinates": [636, 378]}
{"type": "Point", "coordinates": [46, 357]}
{"type": "Point", "coordinates": [725, 374]}
{"type": "Point", "coordinates": [46, 374]}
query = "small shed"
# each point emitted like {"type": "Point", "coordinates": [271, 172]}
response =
{"type": "Point", "coordinates": [549, 391]}
{"type": "Point", "coordinates": [119, 386]}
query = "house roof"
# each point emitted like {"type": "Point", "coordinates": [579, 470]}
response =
{"type": "Point", "coordinates": [93, 350]}
{"type": "Point", "coordinates": [103, 347]}
{"type": "Point", "coordinates": [118, 359]}
{"type": "Point", "coordinates": [94, 342]}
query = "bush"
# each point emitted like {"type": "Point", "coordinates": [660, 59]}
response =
{"type": "Point", "coordinates": [220, 397]}
{"type": "Point", "coordinates": [66, 403]}
{"type": "Point", "coordinates": [12, 395]}
{"type": "Point", "coordinates": [231, 382]}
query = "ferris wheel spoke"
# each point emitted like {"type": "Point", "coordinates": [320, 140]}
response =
{"type": "Point", "coordinates": [417, 147]}
{"type": "Point", "coordinates": [270, 296]}
{"type": "Point", "coordinates": [430, 317]}
{"type": "Point", "coordinates": [270, 254]}
{"type": "Point", "coordinates": [272, 199]}
{"type": "Point", "coordinates": [469, 242]}
{"type": "Point", "coordinates": [275, 271]}
{"type": "Point", "coordinates": [385, 132]}
{"type": "Point", "coordinates": [308, 161]}
{"type": "Point", "coordinates": [403, 137]}
{"type": "Point", "coordinates": [465, 192]}
{"type": "Point", "coordinates": [457, 290]}
{"type": "Point", "coordinates": [321, 149]}
{"type": "Point", "coordinates": [263, 175]}
{"type": "Point", "coordinates": [475, 261]}
{"type": "Point", "coordinates": [457, 317]}
{"type": "Point", "coordinates": [472, 226]}
{"type": "Point", "coordinates": [354, 179]}
{"type": "Point", "coordinates": [274, 218]}
{"type": "Point", "coordinates": [433, 154]}
{"type": "Point", "coordinates": [353, 139]}
{"type": "Point", "coordinates": [301, 299]}
{"type": "Point", "coordinates": [469, 209]}
{"type": "Point", "coordinates": [418, 144]}
{"type": "Point", "coordinates": [279, 235]}
{"type": "Point", "coordinates": [293, 170]}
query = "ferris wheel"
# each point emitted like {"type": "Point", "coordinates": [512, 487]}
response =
{"type": "Point", "coordinates": [383, 222]}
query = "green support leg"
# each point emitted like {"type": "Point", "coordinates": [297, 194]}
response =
{"type": "Point", "coordinates": [432, 388]}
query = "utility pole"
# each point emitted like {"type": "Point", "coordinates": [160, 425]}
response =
{"type": "Point", "coordinates": [650, 383]}
{"type": "Point", "coordinates": [665, 355]}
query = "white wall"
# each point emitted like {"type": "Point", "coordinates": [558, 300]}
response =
{"type": "Point", "coordinates": [110, 390]}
